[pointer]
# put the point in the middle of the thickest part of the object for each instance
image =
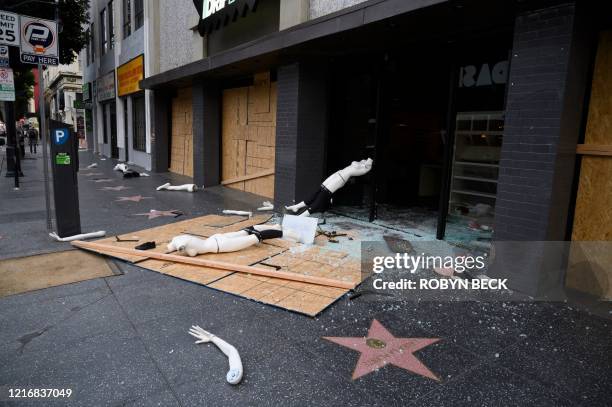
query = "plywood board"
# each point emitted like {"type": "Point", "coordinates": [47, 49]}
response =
{"type": "Point", "coordinates": [24, 274]}
{"type": "Point", "coordinates": [181, 151]}
{"type": "Point", "coordinates": [305, 298]}
{"type": "Point", "coordinates": [249, 135]}
{"type": "Point", "coordinates": [593, 215]}
{"type": "Point", "coordinates": [589, 268]}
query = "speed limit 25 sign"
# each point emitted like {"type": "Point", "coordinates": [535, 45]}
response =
{"type": "Point", "coordinates": [9, 28]}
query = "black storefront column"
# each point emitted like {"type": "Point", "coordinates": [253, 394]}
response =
{"type": "Point", "coordinates": [301, 131]}
{"type": "Point", "coordinates": [549, 76]}
{"type": "Point", "coordinates": [206, 134]}
{"type": "Point", "coordinates": [160, 134]}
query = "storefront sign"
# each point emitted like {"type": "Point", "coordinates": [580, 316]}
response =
{"type": "Point", "coordinates": [129, 75]}
{"type": "Point", "coordinates": [38, 41]}
{"type": "Point", "coordinates": [9, 28]}
{"type": "Point", "coordinates": [7, 85]}
{"type": "Point", "coordinates": [4, 56]}
{"type": "Point", "coordinates": [106, 87]}
{"type": "Point", "coordinates": [86, 91]}
{"type": "Point", "coordinates": [215, 13]}
{"type": "Point", "coordinates": [484, 75]}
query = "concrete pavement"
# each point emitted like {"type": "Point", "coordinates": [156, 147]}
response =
{"type": "Point", "coordinates": [122, 340]}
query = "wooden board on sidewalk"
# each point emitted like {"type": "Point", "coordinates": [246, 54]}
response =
{"type": "Point", "coordinates": [305, 298]}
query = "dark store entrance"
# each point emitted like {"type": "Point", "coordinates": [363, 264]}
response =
{"type": "Point", "coordinates": [432, 118]}
{"type": "Point", "coordinates": [394, 111]}
{"type": "Point", "coordinates": [113, 130]}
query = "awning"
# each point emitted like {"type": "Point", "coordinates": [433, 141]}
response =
{"type": "Point", "coordinates": [286, 44]}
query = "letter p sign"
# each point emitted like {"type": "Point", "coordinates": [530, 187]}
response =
{"type": "Point", "coordinates": [60, 136]}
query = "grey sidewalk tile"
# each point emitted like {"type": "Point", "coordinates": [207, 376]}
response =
{"type": "Point", "coordinates": [288, 377]}
{"type": "Point", "coordinates": [567, 360]}
{"type": "Point", "coordinates": [22, 319]}
{"type": "Point", "coordinates": [492, 385]}
{"type": "Point", "coordinates": [112, 367]}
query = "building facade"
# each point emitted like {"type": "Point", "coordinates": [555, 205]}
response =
{"type": "Point", "coordinates": [117, 119]}
{"type": "Point", "coordinates": [64, 97]}
{"type": "Point", "coordinates": [481, 115]}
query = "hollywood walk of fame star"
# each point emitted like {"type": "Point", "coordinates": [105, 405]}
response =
{"type": "Point", "coordinates": [153, 213]}
{"type": "Point", "coordinates": [102, 180]}
{"type": "Point", "coordinates": [119, 188]}
{"type": "Point", "coordinates": [380, 348]}
{"type": "Point", "coordinates": [135, 198]}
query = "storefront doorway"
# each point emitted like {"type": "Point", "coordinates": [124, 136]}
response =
{"type": "Point", "coordinates": [112, 111]}
{"type": "Point", "coordinates": [402, 108]}
{"type": "Point", "coordinates": [392, 110]}
{"type": "Point", "coordinates": [181, 140]}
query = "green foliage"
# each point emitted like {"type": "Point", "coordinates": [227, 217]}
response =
{"type": "Point", "coordinates": [24, 82]}
{"type": "Point", "coordinates": [73, 16]}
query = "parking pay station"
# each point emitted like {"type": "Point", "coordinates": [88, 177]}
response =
{"type": "Point", "coordinates": [65, 164]}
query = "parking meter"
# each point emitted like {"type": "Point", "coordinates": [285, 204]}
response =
{"type": "Point", "coordinates": [65, 164]}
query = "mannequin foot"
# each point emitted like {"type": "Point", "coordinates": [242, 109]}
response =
{"type": "Point", "coordinates": [166, 185]}
{"type": "Point", "coordinates": [296, 207]}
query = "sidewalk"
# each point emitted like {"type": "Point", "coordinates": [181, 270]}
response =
{"type": "Point", "coordinates": [123, 340]}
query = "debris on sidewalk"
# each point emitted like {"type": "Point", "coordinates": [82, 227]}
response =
{"type": "Point", "coordinates": [146, 246]}
{"type": "Point", "coordinates": [154, 213]}
{"type": "Point", "coordinates": [92, 165]}
{"type": "Point", "coordinates": [266, 206]}
{"type": "Point", "coordinates": [234, 375]}
{"type": "Point", "coordinates": [82, 236]}
{"type": "Point", "coordinates": [242, 213]}
{"type": "Point", "coordinates": [185, 187]}
{"type": "Point", "coordinates": [129, 173]}
{"type": "Point", "coordinates": [299, 277]}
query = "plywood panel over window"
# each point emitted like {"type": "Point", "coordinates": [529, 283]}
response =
{"type": "Point", "coordinates": [589, 262]}
{"type": "Point", "coordinates": [593, 217]}
{"type": "Point", "coordinates": [248, 136]}
{"type": "Point", "coordinates": [181, 143]}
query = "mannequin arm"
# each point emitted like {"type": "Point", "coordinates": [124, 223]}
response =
{"type": "Point", "coordinates": [234, 375]}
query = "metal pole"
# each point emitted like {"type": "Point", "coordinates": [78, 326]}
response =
{"type": "Point", "coordinates": [10, 112]}
{"type": "Point", "coordinates": [43, 136]}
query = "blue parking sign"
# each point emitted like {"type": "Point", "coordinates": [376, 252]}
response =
{"type": "Point", "coordinates": [60, 136]}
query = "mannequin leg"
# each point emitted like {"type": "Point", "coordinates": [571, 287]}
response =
{"type": "Point", "coordinates": [186, 187]}
{"type": "Point", "coordinates": [225, 242]}
{"type": "Point", "coordinates": [338, 179]}
{"type": "Point", "coordinates": [296, 207]}
{"type": "Point", "coordinates": [319, 202]}
{"type": "Point", "coordinates": [233, 244]}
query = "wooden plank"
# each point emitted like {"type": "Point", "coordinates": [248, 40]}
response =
{"type": "Point", "coordinates": [181, 154]}
{"type": "Point", "coordinates": [594, 149]}
{"type": "Point", "coordinates": [215, 264]}
{"type": "Point", "coordinates": [248, 177]}
{"type": "Point", "coordinates": [593, 213]}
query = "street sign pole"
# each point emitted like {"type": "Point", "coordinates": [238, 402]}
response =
{"type": "Point", "coordinates": [43, 134]}
{"type": "Point", "coordinates": [11, 129]}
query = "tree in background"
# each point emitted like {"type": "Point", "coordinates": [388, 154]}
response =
{"type": "Point", "coordinates": [24, 83]}
{"type": "Point", "coordinates": [73, 16]}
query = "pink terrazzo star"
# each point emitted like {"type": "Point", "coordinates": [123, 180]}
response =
{"type": "Point", "coordinates": [135, 198]}
{"type": "Point", "coordinates": [153, 213]}
{"type": "Point", "coordinates": [119, 188]}
{"type": "Point", "coordinates": [381, 348]}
